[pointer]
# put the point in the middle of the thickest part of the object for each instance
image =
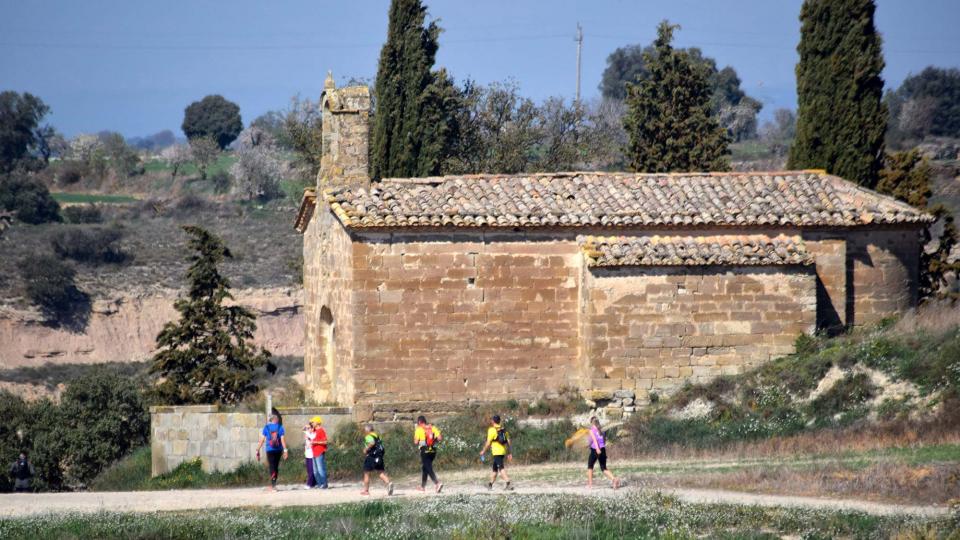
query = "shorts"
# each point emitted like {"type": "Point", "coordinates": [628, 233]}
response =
{"type": "Point", "coordinates": [498, 463]}
{"type": "Point", "coordinates": [371, 463]}
{"type": "Point", "coordinates": [595, 457]}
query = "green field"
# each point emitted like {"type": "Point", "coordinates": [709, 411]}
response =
{"type": "Point", "coordinates": [79, 198]}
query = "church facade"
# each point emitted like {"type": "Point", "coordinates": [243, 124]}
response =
{"type": "Point", "coordinates": [490, 287]}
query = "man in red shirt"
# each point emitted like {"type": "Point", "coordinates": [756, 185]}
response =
{"type": "Point", "coordinates": [319, 449]}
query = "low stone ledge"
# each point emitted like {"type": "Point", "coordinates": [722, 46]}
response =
{"type": "Point", "coordinates": [156, 409]}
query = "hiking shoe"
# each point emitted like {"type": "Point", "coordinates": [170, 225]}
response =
{"type": "Point", "coordinates": [421, 489]}
{"type": "Point", "coordinates": [507, 487]}
{"type": "Point", "coordinates": [390, 489]}
{"type": "Point", "coordinates": [439, 487]}
{"type": "Point", "coordinates": [490, 486]}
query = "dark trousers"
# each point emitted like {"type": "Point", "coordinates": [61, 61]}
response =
{"type": "Point", "coordinates": [426, 466]}
{"type": "Point", "coordinates": [273, 460]}
{"type": "Point", "coordinates": [311, 480]}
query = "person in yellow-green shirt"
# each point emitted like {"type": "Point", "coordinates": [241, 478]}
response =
{"type": "Point", "coordinates": [498, 441]}
{"type": "Point", "coordinates": [426, 438]}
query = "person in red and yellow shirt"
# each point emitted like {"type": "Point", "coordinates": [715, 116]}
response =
{"type": "Point", "coordinates": [319, 443]}
{"type": "Point", "coordinates": [426, 438]}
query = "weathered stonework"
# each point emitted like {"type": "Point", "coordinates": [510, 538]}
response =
{"type": "Point", "coordinates": [428, 293]}
{"type": "Point", "coordinates": [223, 440]}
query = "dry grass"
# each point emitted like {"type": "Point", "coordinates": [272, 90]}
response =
{"type": "Point", "coordinates": [935, 483]}
{"type": "Point", "coordinates": [934, 318]}
{"type": "Point", "coordinates": [942, 429]}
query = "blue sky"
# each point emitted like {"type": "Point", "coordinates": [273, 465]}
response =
{"type": "Point", "coordinates": [133, 66]}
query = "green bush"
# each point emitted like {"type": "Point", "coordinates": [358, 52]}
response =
{"type": "Point", "coordinates": [50, 286]}
{"type": "Point", "coordinates": [89, 245]}
{"type": "Point", "coordinates": [71, 172]}
{"type": "Point", "coordinates": [83, 214]}
{"type": "Point", "coordinates": [33, 428]}
{"type": "Point", "coordinates": [29, 200]}
{"type": "Point", "coordinates": [108, 419]}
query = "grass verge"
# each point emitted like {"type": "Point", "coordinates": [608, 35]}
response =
{"type": "Point", "coordinates": [481, 516]}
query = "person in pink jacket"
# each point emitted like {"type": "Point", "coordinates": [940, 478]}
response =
{"type": "Point", "coordinates": [598, 452]}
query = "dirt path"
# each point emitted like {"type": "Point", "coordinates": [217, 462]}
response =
{"type": "Point", "coordinates": [13, 505]}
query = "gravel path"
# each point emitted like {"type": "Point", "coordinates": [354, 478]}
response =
{"type": "Point", "coordinates": [15, 505]}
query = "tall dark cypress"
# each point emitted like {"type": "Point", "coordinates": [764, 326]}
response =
{"type": "Point", "coordinates": [411, 124]}
{"type": "Point", "coordinates": [668, 116]}
{"type": "Point", "coordinates": [841, 120]}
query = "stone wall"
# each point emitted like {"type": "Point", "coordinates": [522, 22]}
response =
{"type": "Point", "coordinates": [654, 328]}
{"type": "Point", "coordinates": [438, 317]}
{"type": "Point", "coordinates": [883, 266]}
{"type": "Point", "coordinates": [465, 316]}
{"type": "Point", "coordinates": [328, 289]}
{"type": "Point", "coordinates": [224, 440]}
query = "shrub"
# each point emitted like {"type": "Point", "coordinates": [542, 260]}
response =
{"type": "Point", "coordinates": [95, 246]}
{"type": "Point", "coordinates": [108, 419]}
{"type": "Point", "coordinates": [71, 172]}
{"type": "Point", "coordinates": [28, 199]}
{"type": "Point", "coordinates": [32, 428]}
{"type": "Point", "coordinates": [221, 181]}
{"type": "Point", "coordinates": [50, 286]}
{"type": "Point", "coordinates": [83, 214]}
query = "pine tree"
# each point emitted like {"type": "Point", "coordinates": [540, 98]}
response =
{"type": "Point", "coordinates": [412, 126]}
{"type": "Point", "coordinates": [841, 120]}
{"type": "Point", "coordinates": [668, 114]}
{"type": "Point", "coordinates": [207, 356]}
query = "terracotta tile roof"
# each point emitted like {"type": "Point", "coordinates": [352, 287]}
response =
{"type": "Point", "coordinates": [617, 200]}
{"type": "Point", "coordinates": [307, 206]}
{"type": "Point", "coordinates": [754, 250]}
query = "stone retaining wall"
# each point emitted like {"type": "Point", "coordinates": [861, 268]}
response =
{"type": "Point", "coordinates": [223, 440]}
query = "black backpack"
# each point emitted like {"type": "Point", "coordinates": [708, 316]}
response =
{"type": "Point", "coordinates": [22, 471]}
{"type": "Point", "coordinates": [377, 451]}
{"type": "Point", "coordinates": [502, 436]}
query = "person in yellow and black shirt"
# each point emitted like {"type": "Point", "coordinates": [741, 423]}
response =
{"type": "Point", "coordinates": [498, 441]}
{"type": "Point", "coordinates": [427, 437]}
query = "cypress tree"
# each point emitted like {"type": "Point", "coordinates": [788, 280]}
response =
{"type": "Point", "coordinates": [411, 131]}
{"type": "Point", "coordinates": [668, 116]}
{"type": "Point", "coordinates": [206, 356]}
{"type": "Point", "coordinates": [841, 120]}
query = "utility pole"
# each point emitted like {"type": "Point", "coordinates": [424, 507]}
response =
{"type": "Point", "coordinates": [579, 40]}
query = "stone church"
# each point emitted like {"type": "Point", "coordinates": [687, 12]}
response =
{"type": "Point", "coordinates": [490, 286]}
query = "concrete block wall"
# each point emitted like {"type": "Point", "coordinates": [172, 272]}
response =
{"type": "Point", "coordinates": [223, 440]}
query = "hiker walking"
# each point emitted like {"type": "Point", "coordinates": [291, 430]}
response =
{"type": "Point", "coordinates": [274, 437]}
{"type": "Point", "coordinates": [22, 472]}
{"type": "Point", "coordinates": [308, 435]}
{"type": "Point", "coordinates": [319, 444]}
{"type": "Point", "coordinates": [498, 441]}
{"type": "Point", "coordinates": [598, 452]}
{"type": "Point", "coordinates": [373, 453]}
{"type": "Point", "coordinates": [426, 437]}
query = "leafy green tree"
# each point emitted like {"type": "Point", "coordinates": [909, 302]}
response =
{"type": "Point", "coordinates": [204, 151]}
{"type": "Point", "coordinates": [51, 286]}
{"type": "Point", "coordinates": [908, 177]}
{"type": "Point", "coordinates": [413, 127]}
{"type": "Point", "coordinates": [207, 356]}
{"type": "Point", "coordinates": [28, 199]}
{"type": "Point", "coordinates": [108, 420]}
{"type": "Point", "coordinates": [215, 117]}
{"type": "Point", "coordinates": [668, 118]}
{"type": "Point", "coordinates": [123, 159]}
{"type": "Point", "coordinates": [927, 103]}
{"type": "Point", "coordinates": [736, 111]}
{"type": "Point", "coordinates": [841, 120]}
{"type": "Point", "coordinates": [20, 117]}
